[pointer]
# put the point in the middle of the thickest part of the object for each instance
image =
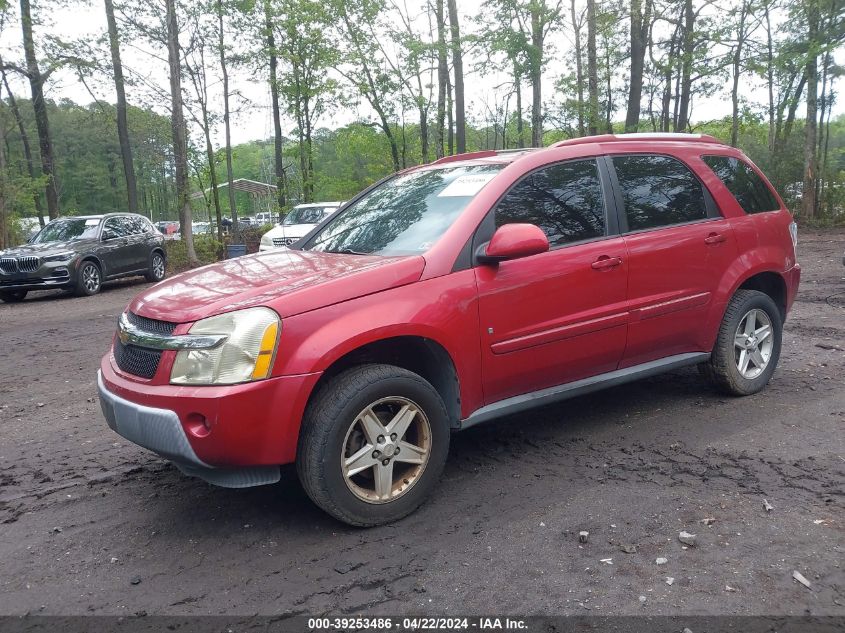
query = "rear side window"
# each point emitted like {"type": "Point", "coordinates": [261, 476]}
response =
{"type": "Point", "coordinates": [565, 200]}
{"type": "Point", "coordinates": [752, 194]}
{"type": "Point", "coordinates": [658, 191]}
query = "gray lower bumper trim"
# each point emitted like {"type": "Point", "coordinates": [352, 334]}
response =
{"type": "Point", "coordinates": [160, 431]}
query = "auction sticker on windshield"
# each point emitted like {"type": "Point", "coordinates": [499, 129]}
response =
{"type": "Point", "coordinates": [465, 186]}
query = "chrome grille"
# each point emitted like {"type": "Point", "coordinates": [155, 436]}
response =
{"type": "Point", "coordinates": [28, 264]}
{"type": "Point", "coordinates": [283, 241]}
{"type": "Point", "coordinates": [140, 361]}
{"type": "Point", "coordinates": [8, 265]}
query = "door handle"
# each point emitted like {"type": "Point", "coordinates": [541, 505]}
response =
{"type": "Point", "coordinates": [714, 238]}
{"type": "Point", "coordinates": [604, 262]}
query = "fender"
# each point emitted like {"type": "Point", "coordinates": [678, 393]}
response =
{"type": "Point", "coordinates": [311, 342]}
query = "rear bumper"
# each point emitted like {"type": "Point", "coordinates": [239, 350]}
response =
{"type": "Point", "coordinates": [793, 280]}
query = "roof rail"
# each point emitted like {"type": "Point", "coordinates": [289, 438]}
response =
{"type": "Point", "coordinates": [485, 153]}
{"type": "Point", "coordinates": [639, 136]}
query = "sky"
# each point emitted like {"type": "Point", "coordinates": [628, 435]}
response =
{"type": "Point", "coordinates": [251, 119]}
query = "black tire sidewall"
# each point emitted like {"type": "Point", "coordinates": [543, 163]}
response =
{"type": "Point", "coordinates": [13, 296]}
{"type": "Point", "coordinates": [151, 276]}
{"type": "Point", "coordinates": [81, 288]}
{"type": "Point", "coordinates": [760, 301]}
{"type": "Point", "coordinates": [349, 507]}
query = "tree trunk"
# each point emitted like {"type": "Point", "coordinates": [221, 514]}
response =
{"type": "Point", "coordinates": [27, 151]}
{"type": "Point", "coordinates": [236, 231]}
{"type": "Point", "coordinates": [278, 163]}
{"type": "Point", "coordinates": [520, 131]}
{"type": "Point", "coordinates": [639, 29]}
{"type": "Point", "coordinates": [122, 124]}
{"type": "Point", "coordinates": [42, 123]}
{"type": "Point", "coordinates": [442, 77]}
{"type": "Point", "coordinates": [579, 72]}
{"type": "Point", "coordinates": [450, 119]}
{"type": "Point", "coordinates": [737, 62]}
{"type": "Point", "coordinates": [592, 69]}
{"type": "Point", "coordinates": [686, 68]}
{"type": "Point", "coordinates": [808, 194]}
{"type": "Point", "coordinates": [536, 77]}
{"type": "Point", "coordinates": [458, 64]}
{"type": "Point", "coordinates": [770, 80]}
{"type": "Point", "coordinates": [180, 139]}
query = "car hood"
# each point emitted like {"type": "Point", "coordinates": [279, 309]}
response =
{"type": "Point", "coordinates": [289, 281]}
{"type": "Point", "coordinates": [289, 230]}
{"type": "Point", "coordinates": [48, 248]}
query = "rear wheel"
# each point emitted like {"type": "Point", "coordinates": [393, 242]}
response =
{"type": "Point", "coordinates": [88, 279]}
{"type": "Point", "coordinates": [373, 444]}
{"type": "Point", "coordinates": [156, 269]}
{"type": "Point", "coordinates": [12, 296]}
{"type": "Point", "coordinates": [748, 345]}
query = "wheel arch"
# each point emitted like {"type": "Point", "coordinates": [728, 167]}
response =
{"type": "Point", "coordinates": [420, 354]}
{"type": "Point", "coordinates": [91, 257]}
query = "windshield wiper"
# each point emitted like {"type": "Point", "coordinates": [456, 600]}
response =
{"type": "Point", "coordinates": [347, 251]}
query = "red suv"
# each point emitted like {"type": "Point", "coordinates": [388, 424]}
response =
{"type": "Point", "coordinates": [450, 294]}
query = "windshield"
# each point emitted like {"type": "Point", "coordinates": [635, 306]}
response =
{"type": "Point", "coordinates": [68, 229]}
{"type": "Point", "coordinates": [405, 215]}
{"type": "Point", "coordinates": [307, 215]}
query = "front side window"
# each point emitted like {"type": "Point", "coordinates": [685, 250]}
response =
{"type": "Point", "coordinates": [742, 181]}
{"type": "Point", "coordinates": [565, 200]}
{"type": "Point", "coordinates": [119, 226]}
{"type": "Point", "coordinates": [405, 215]}
{"type": "Point", "coordinates": [69, 229]}
{"type": "Point", "coordinates": [658, 191]}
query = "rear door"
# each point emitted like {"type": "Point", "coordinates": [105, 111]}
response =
{"type": "Point", "coordinates": [678, 245]}
{"type": "Point", "coordinates": [115, 247]}
{"type": "Point", "coordinates": [557, 316]}
{"type": "Point", "coordinates": [140, 243]}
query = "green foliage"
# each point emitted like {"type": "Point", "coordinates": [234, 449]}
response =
{"type": "Point", "coordinates": [208, 249]}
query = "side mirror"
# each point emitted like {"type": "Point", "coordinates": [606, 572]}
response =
{"type": "Point", "coordinates": [513, 241]}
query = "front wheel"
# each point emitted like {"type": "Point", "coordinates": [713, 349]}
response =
{"type": "Point", "coordinates": [748, 345]}
{"type": "Point", "coordinates": [88, 279]}
{"type": "Point", "coordinates": [373, 444]}
{"type": "Point", "coordinates": [156, 271]}
{"type": "Point", "coordinates": [12, 296]}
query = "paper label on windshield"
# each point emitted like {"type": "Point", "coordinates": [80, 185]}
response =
{"type": "Point", "coordinates": [464, 186]}
{"type": "Point", "coordinates": [91, 222]}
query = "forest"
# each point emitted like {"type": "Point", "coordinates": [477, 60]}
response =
{"type": "Point", "coordinates": [357, 89]}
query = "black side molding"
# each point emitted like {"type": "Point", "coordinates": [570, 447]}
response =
{"type": "Point", "coordinates": [523, 402]}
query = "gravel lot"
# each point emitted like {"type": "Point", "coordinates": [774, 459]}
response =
{"type": "Point", "coordinates": [94, 524]}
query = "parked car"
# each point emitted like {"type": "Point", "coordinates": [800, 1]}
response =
{"type": "Point", "coordinates": [79, 253]}
{"type": "Point", "coordinates": [450, 294]}
{"type": "Point", "coordinates": [299, 221]}
{"type": "Point", "coordinates": [264, 217]}
{"type": "Point", "coordinates": [169, 229]}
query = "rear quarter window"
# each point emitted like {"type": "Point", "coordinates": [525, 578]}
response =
{"type": "Point", "coordinates": [750, 191]}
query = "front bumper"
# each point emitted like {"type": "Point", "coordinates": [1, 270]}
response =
{"type": "Point", "coordinates": [48, 276]}
{"type": "Point", "coordinates": [160, 431]}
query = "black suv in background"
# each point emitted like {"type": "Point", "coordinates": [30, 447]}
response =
{"type": "Point", "coordinates": [79, 253]}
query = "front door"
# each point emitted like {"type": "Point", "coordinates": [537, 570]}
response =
{"type": "Point", "coordinates": [557, 316]}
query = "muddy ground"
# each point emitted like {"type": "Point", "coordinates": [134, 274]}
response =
{"type": "Point", "coordinates": [94, 524]}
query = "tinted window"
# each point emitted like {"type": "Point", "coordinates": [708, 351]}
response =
{"type": "Point", "coordinates": [743, 182]}
{"type": "Point", "coordinates": [119, 226]}
{"type": "Point", "coordinates": [564, 200]}
{"type": "Point", "coordinates": [658, 191]}
{"type": "Point", "coordinates": [69, 229]}
{"type": "Point", "coordinates": [139, 225]}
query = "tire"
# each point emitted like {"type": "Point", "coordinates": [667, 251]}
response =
{"type": "Point", "coordinates": [333, 430]}
{"type": "Point", "coordinates": [89, 279]}
{"type": "Point", "coordinates": [156, 268]}
{"type": "Point", "coordinates": [12, 296]}
{"type": "Point", "coordinates": [723, 369]}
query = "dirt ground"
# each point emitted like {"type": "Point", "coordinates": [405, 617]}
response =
{"type": "Point", "coordinates": [94, 524]}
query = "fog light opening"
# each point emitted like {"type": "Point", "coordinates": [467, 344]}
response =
{"type": "Point", "coordinates": [198, 424]}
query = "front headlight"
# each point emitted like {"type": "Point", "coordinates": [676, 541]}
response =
{"type": "Point", "coordinates": [60, 257]}
{"type": "Point", "coordinates": [246, 354]}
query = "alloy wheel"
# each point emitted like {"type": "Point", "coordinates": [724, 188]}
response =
{"type": "Point", "coordinates": [386, 449]}
{"type": "Point", "coordinates": [753, 343]}
{"type": "Point", "coordinates": [158, 266]}
{"type": "Point", "coordinates": [91, 278]}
